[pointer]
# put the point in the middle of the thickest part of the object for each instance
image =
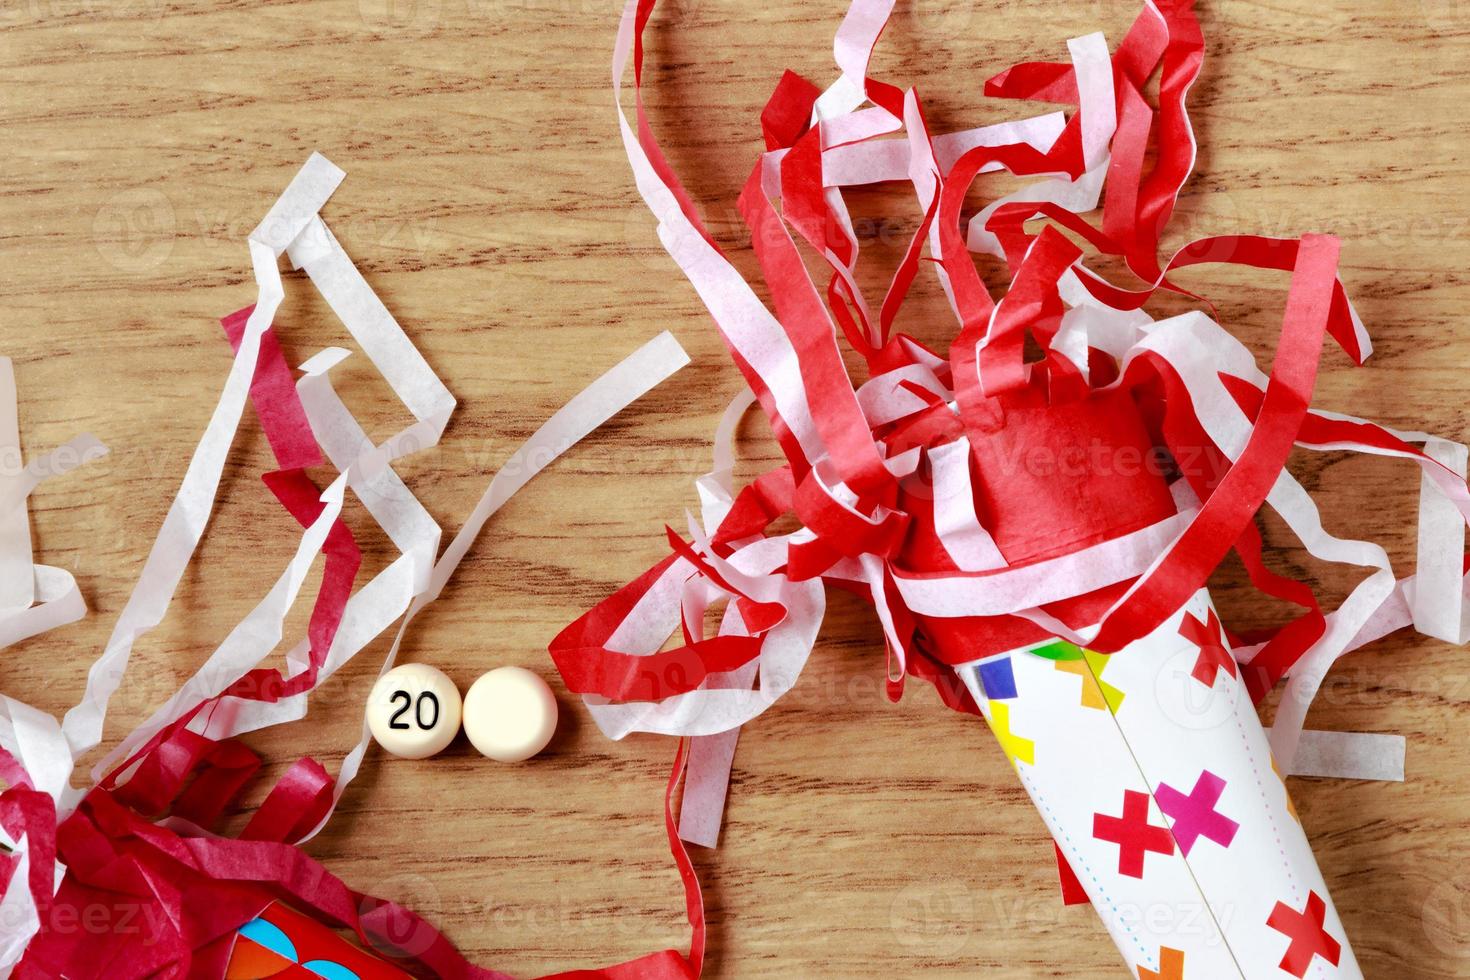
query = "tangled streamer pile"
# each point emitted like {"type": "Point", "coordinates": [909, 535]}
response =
{"type": "Point", "coordinates": [1033, 530]}
{"type": "Point", "coordinates": [1033, 514]}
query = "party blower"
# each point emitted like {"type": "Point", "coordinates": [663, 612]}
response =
{"type": "Point", "coordinates": [1035, 511]}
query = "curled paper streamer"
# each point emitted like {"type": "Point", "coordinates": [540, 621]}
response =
{"type": "Point", "coordinates": [144, 831]}
{"type": "Point", "coordinates": [1025, 523]}
{"type": "Point", "coordinates": [34, 759]}
{"type": "Point", "coordinates": [33, 598]}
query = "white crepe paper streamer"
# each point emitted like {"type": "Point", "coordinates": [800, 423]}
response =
{"type": "Point", "coordinates": [1095, 323]}
{"type": "Point", "coordinates": [1020, 590]}
{"type": "Point", "coordinates": [1394, 614]}
{"type": "Point", "coordinates": [1445, 508]}
{"type": "Point", "coordinates": [374, 607]}
{"type": "Point", "coordinates": [390, 503]}
{"type": "Point", "coordinates": [289, 227]}
{"type": "Point", "coordinates": [1442, 471]}
{"type": "Point", "coordinates": [958, 526]}
{"type": "Point", "coordinates": [852, 47]}
{"type": "Point", "coordinates": [841, 100]}
{"type": "Point", "coordinates": [363, 314]}
{"type": "Point", "coordinates": [36, 598]}
{"type": "Point", "coordinates": [852, 127]}
{"type": "Point", "coordinates": [1438, 602]}
{"type": "Point", "coordinates": [711, 757]}
{"type": "Point", "coordinates": [1349, 755]}
{"type": "Point", "coordinates": [746, 323]}
{"type": "Point", "coordinates": [17, 583]}
{"type": "Point", "coordinates": [189, 513]}
{"type": "Point", "coordinates": [366, 468]}
{"type": "Point", "coordinates": [252, 639]}
{"type": "Point", "coordinates": [885, 399]}
{"type": "Point", "coordinates": [33, 737]}
{"type": "Point", "coordinates": [716, 488]}
{"type": "Point", "coordinates": [58, 602]}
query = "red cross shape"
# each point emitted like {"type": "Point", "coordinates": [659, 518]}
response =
{"type": "Point", "coordinates": [1213, 655]}
{"type": "Point", "coordinates": [1308, 937]}
{"type": "Point", "coordinates": [1195, 815]}
{"type": "Point", "coordinates": [1133, 834]}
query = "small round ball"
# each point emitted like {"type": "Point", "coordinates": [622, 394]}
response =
{"type": "Point", "coordinates": [414, 711]}
{"type": "Point", "coordinates": [509, 714]}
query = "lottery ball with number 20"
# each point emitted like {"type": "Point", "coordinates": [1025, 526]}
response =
{"type": "Point", "coordinates": [414, 711]}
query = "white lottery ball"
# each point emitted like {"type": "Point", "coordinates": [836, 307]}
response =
{"type": "Point", "coordinates": [414, 711]}
{"type": "Point", "coordinates": [509, 714]}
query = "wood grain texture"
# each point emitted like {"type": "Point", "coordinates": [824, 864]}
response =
{"type": "Point", "coordinates": [489, 202]}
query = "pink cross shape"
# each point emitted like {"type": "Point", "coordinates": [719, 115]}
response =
{"type": "Point", "coordinates": [1195, 815]}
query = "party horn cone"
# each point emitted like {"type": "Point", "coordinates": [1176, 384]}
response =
{"type": "Point", "coordinates": [1154, 775]}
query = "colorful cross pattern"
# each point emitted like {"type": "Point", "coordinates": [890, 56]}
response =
{"type": "Point", "coordinates": [1213, 654]}
{"type": "Point", "coordinates": [1112, 695]}
{"type": "Point", "coordinates": [1194, 815]}
{"type": "Point", "coordinates": [1016, 748]}
{"type": "Point", "coordinates": [1309, 938]}
{"type": "Point", "coordinates": [1096, 692]}
{"type": "Point", "coordinates": [1171, 966]}
{"type": "Point", "coordinates": [998, 677]}
{"type": "Point", "coordinates": [1057, 650]}
{"type": "Point", "coordinates": [1133, 834]}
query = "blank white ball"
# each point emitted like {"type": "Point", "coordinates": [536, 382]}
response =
{"type": "Point", "coordinates": [414, 711]}
{"type": "Point", "coordinates": [509, 714]}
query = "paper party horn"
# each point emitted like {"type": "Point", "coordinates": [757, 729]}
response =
{"type": "Point", "coordinates": [1154, 776]}
{"type": "Point", "coordinates": [1035, 508]}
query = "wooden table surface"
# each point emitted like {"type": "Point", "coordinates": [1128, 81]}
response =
{"type": "Point", "coordinates": [489, 202]}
